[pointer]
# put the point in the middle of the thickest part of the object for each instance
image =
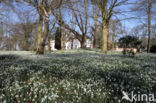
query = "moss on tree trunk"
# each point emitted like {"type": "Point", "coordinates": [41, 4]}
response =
{"type": "Point", "coordinates": [104, 39]}
{"type": "Point", "coordinates": [44, 36]}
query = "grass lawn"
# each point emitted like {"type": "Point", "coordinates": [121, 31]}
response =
{"type": "Point", "coordinates": [77, 76]}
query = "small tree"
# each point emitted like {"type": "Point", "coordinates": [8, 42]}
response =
{"type": "Point", "coordinates": [58, 35]}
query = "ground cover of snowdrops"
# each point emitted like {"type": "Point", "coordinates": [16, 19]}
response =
{"type": "Point", "coordinates": [78, 76]}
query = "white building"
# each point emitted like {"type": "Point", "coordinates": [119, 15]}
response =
{"type": "Point", "coordinates": [74, 44]}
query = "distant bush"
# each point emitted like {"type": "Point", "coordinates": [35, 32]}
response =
{"type": "Point", "coordinates": [153, 49]}
{"type": "Point", "coordinates": [129, 52]}
{"type": "Point", "coordinates": [130, 42]}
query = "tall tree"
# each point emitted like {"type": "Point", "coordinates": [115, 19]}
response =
{"type": "Point", "coordinates": [115, 29]}
{"type": "Point", "coordinates": [45, 8]}
{"type": "Point", "coordinates": [107, 10]}
{"type": "Point", "coordinates": [149, 25]}
{"type": "Point", "coordinates": [5, 7]}
{"type": "Point", "coordinates": [49, 34]}
{"type": "Point", "coordinates": [79, 11]}
{"type": "Point", "coordinates": [1, 33]}
{"type": "Point", "coordinates": [95, 16]}
{"type": "Point", "coordinates": [146, 12]}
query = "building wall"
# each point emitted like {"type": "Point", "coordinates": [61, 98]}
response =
{"type": "Point", "coordinates": [76, 44]}
{"type": "Point", "coordinates": [52, 44]}
{"type": "Point", "coordinates": [68, 45]}
{"type": "Point", "coordinates": [89, 43]}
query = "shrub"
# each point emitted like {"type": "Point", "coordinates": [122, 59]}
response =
{"type": "Point", "coordinates": [129, 52]}
{"type": "Point", "coordinates": [130, 42]}
{"type": "Point", "coordinates": [153, 49]}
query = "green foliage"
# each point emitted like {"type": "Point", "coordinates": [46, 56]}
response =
{"type": "Point", "coordinates": [58, 39]}
{"type": "Point", "coordinates": [130, 42]}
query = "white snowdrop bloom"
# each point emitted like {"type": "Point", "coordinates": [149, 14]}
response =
{"type": "Point", "coordinates": [17, 85]}
{"type": "Point", "coordinates": [42, 100]}
{"type": "Point", "coordinates": [4, 101]}
{"type": "Point", "coordinates": [35, 96]}
{"type": "Point", "coordinates": [84, 89]}
{"type": "Point", "coordinates": [17, 96]}
{"type": "Point", "coordinates": [50, 98]}
{"type": "Point", "coordinates": [33, 100]}
{"type": "Point", "coordinates": [1, 97]}
{"type": "Point", "coordinates": [89, 90]}
{"type": "Point", "coordinates": [45, 97]}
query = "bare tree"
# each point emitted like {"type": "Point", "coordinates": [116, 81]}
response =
{"type": "Point", "coordinates": [146, 12]}
{"type": "Point", "coordinates": [79, 11]}
{"type": "Point", "coordinates": [5, 6]}
{"type": "Point", "coordinates": [149, 25]}
{"type": "Point", "coordinates": [45, 8]}
{"type": "Point", "coordinates": [95, 16]}
{"type": "Point", "coordinates": [115, 30]}
{"type": "Point", "coordinates": [107, 9]}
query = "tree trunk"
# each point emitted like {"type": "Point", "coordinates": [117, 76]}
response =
{"type": "Point", "coordinates": [108, 38]}
{"type": "Point", "coordinates": [83, 45]}
{"type": "Point", "coordinates": [104, 38]}
{"type": "Point", "coordinates": [113, 44]}
{"type": "Point", "coordinates": [40, 28]}
{"type": "Point", "coordinates": [104, 28]}
{"type": "Point", "coordinates": [0, 42]}
{"type": "Point", "coordinates": [72, 43]}
{"type": "Point", "coordinates": [44, 36]}
{"type": "Point", "coordinates": [83, 41]}
{"type": "Point", "coordinates": [95, 35]}
{"type": "Point", "coordinates": [15, 45]}
{"type": "Point", "coordinates": [63, 45]}
{"type": "Point", "coordinates": [95, 40]}
{"type": "Point", "coordinates": [25, 41]}
{"type": "Point", "coordinates": [149, 26]}
{"type": "Point", "coordinates": [96, 16]}
{"type": "Point", "coordinates": [49, 46]}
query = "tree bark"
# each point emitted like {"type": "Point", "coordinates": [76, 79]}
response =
{"type": "Point", "coordinates": [104, 27]}
{"type": "Point", "coordinates": [40, 29]}
{"type": "Point", "coordinates": [95, 16]}
{"type": "Point", "coordinates": [149, 26]}
{"type": "Point", "coordinates": [25, 46]}
{"type": "Point", "coordinates": [49, 46]}
{"type": "Point", "coordinates": [63, 45]}
{"type": "Point", "coordinates": [108, 37]}
{"type": "Point", "coordinates": [0, 42]}
{"type": "Point", "coordinates": [44, 36]}
{"type": "Point", "coordinates": [95, 32]}
{"type": "Point", "coordinates": [15, 44]}
{"type": "Point", "coordinates": [113, 43]}
{"type": "Point", "coordinates": [95, 39]}
{"type": "Point", "coordinates": [83, 41]}
{"type": "Point", "coordinates": [104, 39]}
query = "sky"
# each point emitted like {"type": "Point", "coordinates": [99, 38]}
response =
{"type": "Point", "coordinates": [128, 23]}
